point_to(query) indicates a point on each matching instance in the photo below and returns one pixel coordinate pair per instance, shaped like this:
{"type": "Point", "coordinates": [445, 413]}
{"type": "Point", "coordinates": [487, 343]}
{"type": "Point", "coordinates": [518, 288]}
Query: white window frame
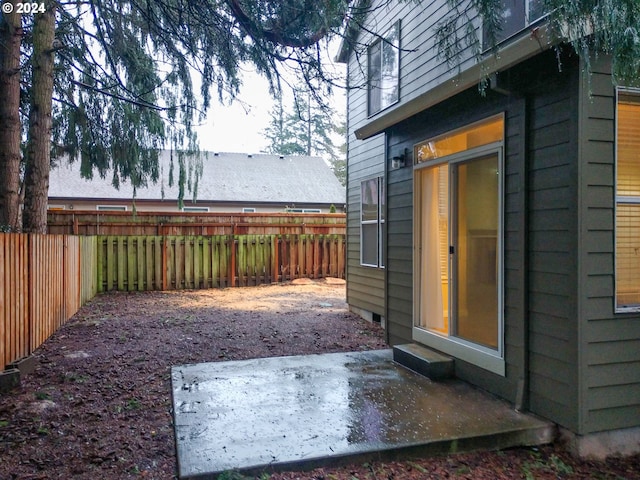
{"type": "Point", "coordinates": [111, 208]}
{"type": "Point", "coordinates": [248, 210]}
{"type": "Point", "coordinates": [622, 200]}
{"type": "Point", "coordinates": [195, 209]}
{"type": "Point", "coordinates": [379, 221]}
{"type": "Point", "coordinates": [303, 210]}
{"type": "Point", "coordinates": [377, 88]}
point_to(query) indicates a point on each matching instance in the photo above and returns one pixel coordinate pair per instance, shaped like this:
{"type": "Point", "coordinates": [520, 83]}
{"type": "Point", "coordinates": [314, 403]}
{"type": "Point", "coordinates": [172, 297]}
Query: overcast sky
{"type": "Point", "coordinates": [239, 128]}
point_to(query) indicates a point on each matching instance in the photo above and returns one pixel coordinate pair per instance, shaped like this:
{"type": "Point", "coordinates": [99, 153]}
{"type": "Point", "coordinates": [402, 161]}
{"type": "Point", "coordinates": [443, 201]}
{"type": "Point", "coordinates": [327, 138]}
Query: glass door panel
{"type": "Point", "coordinates": [434, 261]}
{"type": "Point", "coordinates": [475, 248]}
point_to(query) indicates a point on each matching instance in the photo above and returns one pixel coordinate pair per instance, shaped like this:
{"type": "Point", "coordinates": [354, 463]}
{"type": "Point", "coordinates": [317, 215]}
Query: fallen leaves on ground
{"type": "Point", "coordinates": [98, 405]}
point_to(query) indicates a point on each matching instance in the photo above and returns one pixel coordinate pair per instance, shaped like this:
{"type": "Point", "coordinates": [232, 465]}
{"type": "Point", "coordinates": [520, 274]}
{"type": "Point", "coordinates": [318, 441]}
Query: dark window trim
{"type": "Point", "coordinates": [379, 48]}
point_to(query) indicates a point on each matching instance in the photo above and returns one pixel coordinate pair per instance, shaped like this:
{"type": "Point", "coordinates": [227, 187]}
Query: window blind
{"type": "Point", "coordinates": [628, 202]}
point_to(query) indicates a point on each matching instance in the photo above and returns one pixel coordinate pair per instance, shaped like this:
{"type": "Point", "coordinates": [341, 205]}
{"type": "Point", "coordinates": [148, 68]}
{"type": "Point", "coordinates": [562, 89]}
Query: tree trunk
{"type": "Point", "coordinates": [10, 39]}
{"type": "Point", "coordinates": [39, 137]}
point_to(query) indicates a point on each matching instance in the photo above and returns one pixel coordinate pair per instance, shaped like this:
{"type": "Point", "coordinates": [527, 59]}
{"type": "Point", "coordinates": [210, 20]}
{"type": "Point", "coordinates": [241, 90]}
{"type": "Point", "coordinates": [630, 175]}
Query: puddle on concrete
{"type": "Point", "coordinates": [290, 410]}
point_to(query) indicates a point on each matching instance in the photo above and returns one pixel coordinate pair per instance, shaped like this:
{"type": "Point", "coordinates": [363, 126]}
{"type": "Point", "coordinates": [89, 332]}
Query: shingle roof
{"type": "Point", "coordinates": [227, 177]}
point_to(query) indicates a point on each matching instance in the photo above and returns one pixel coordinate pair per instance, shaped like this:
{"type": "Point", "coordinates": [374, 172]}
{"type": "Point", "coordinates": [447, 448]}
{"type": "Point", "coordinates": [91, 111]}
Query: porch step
{"type": "Point", "coordinates": [424, 361]}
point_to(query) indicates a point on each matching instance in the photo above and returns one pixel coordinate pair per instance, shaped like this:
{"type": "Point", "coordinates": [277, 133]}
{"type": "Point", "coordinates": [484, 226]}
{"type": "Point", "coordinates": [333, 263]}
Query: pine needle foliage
{"type": "Point", "coordinates": [589, 27]}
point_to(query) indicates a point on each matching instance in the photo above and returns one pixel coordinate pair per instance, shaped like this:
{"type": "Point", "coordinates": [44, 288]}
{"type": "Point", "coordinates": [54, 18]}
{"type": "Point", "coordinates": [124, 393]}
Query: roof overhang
{"type": "Point", "coordinates": [532, 42]}
{"type": "Point", "coordinates": [349, 32]}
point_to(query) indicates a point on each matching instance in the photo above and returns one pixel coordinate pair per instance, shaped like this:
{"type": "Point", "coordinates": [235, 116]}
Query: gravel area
{"type": "Point", "coordinates": [98, 405]}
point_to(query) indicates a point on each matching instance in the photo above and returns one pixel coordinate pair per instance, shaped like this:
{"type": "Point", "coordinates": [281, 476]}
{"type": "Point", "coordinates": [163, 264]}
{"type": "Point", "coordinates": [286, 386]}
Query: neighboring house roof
{"type": "Point", "coordinates": [227, 177]}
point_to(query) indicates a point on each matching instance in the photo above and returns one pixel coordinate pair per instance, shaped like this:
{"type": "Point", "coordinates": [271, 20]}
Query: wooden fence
{"type": "Point", "coordinates": [44, 279]}
{"type": "Point", "coordinates": [75, 222]}
{"type": "Point", "coordinates": [188, 262]}
{"type": "Point", "coordinates": [41, 288]}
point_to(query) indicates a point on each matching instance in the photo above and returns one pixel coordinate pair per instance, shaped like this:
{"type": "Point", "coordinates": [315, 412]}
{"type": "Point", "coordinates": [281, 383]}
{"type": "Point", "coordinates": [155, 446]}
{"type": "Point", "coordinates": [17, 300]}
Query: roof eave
{"type": "Point", "coordinates": [349, 33]}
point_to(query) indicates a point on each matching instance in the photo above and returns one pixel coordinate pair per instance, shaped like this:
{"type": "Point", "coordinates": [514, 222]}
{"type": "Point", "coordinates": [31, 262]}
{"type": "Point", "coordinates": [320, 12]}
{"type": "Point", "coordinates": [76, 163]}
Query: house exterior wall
{"type": "Point", "coordinates": [420, 71]}
{"type": "Point", "coordinates": [540, 233]}
{"type": "Point", "coordinates": [450, 115]}
{"type": "Point", "coordinates": [365, 286]}
{"type": "Point", "coordinates": [551, 262]}
{"type": "Point", "coordinates": [610, 343]}
{"type": "Point", "coordinates": [569, 357]}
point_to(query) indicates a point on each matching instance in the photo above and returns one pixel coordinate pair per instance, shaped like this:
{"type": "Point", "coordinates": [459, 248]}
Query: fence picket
{"type": "Point", "coordinates": [45, 279]}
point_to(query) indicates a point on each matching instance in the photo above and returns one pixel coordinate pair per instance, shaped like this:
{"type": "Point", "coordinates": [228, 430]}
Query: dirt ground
{"type": "Point", "coordinates": [98, 405]}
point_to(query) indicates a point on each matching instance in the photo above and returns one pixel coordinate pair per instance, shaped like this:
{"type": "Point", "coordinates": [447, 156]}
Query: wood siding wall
{"type": "Point", "coordinates": [365, 285]}
{"type": "Point", "coordinates": [154, 223]}
{"type": "Point", "coordinates": [610, 366]}
{"type": "Point", "coordinates": [552, 235]}
{"type": "Point", "coordinates": [40, 289]}
{"type": "Point", "coordinates": [128, 263]}
{"type": "Point", "coordinates": [442, 118]}
{"type": "Point", "coordinates": [420, 70]}
{"type": "Point", "coordinates": [365, 159]}
{"type": "Point", "coordinates": [578, 360]}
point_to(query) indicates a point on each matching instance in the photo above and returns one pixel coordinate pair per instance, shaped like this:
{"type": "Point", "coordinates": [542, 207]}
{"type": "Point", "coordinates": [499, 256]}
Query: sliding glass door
{"type": "Point", "coordinates": [474, 249]}
{"type": "Point", "coordinates": [459, 250]}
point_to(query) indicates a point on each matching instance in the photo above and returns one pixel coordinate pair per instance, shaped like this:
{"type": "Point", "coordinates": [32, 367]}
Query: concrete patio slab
{"type": "Point", "coordinates": [308, 411]}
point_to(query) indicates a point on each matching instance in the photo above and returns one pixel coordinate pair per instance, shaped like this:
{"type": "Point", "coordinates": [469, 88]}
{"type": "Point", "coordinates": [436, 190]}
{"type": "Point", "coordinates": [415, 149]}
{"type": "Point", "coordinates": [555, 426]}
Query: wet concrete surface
{"type": "Point", "coordinates": [291, 413]}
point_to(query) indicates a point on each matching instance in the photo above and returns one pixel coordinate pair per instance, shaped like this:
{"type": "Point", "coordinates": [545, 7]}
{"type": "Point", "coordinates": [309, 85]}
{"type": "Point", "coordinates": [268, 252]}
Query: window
{"type": "Point", "coordinates": [112, 208]}
{"type": "Point", "coordinates": [248, 210]}
{"type": "Point", "coordinates": [517, 15]}
{"type": "Point", "coordinates": [303, 210]}
{"type": "Point", "coordinates": [195, 209]}
{"type": "Point", "coordinates": [628, 201]}
{"type": "Point", "coordinates": [372, 224]}
{"type": "Point", "coordinates": [384, 71]}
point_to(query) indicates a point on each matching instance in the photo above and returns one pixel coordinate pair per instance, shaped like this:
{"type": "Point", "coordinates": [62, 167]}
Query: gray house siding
{"type": "Point", "coordinates": [420, 71]}
{"type": "Point", "coordinates": [442, 118]}
{"type": "Point", "coordinates": [399, 315]}
{"type": "Point", "coordinates": [552, 234]}
{"type": "Point", "coordinates": [610, 366]}
{"type": "Point", "coordinates": [569, 356]}
{"type": "Point", "coordinates": [365, 285]}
